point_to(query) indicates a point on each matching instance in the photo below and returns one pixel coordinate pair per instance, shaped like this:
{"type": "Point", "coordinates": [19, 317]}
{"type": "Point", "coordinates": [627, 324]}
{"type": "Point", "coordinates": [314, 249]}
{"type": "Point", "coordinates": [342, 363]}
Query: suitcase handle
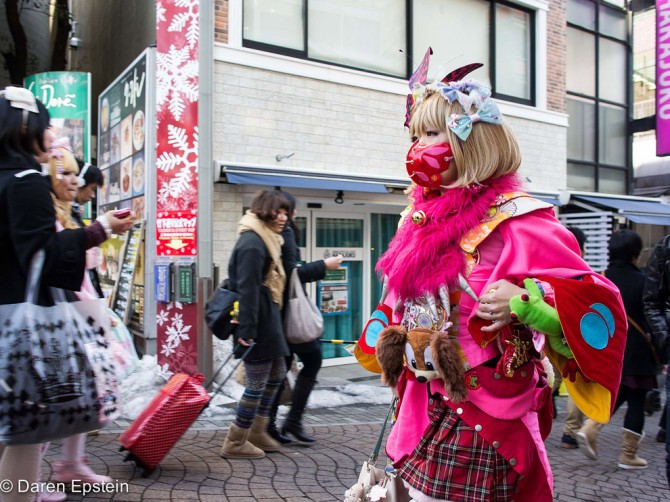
{"type": "Point", "coordinates": [225, 380]}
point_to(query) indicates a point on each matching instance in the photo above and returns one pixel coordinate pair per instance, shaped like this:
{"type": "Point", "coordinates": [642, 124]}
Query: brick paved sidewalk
{"type": "Point", "coordinates": [193, 471]}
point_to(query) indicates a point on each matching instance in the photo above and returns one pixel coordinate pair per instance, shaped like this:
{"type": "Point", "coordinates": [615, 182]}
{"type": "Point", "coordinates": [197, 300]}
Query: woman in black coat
{"type": "Point", "coordinates": [256, 272]}
{"type": "Point", "coordinates": [310, 352]}
{"type": "Point", "coordinates": [639, 364]}
{"type": "Point", "coordinates": [27, 225]}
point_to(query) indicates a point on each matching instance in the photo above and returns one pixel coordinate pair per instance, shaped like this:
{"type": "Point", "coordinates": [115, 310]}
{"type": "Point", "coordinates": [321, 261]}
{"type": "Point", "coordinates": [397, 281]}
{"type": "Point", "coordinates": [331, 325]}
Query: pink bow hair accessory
{"type": "Point", "coordinates": [57, 144]}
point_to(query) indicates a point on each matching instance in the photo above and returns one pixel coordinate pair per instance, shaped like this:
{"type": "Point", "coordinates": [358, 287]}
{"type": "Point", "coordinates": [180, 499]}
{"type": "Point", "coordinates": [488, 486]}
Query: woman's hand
{"type": "Point", "coordinates": [120, 225]}
{"type": "Point", "coordinates": [334, 262]}
{"type": "Point", "coordinates": [244, 342]}
{"type": "Point", "coordinates": [494, 304]}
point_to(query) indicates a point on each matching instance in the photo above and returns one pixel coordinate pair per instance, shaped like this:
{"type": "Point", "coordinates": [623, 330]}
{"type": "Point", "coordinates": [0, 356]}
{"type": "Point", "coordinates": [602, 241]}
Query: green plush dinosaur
{"type": "Point", "coordinates": [532, 310]}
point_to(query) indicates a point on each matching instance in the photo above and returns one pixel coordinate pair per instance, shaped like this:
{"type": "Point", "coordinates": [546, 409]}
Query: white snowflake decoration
{"type": "Point", "coordinates": [176, 80]}
{"type": "Point", "coordinates": [176, 331]}
{"type": "Point", "coordinates": [185, 161]}
{"type": "Point", "coordinates": [164, 371]}
{"type": "Point", "coordinates": [188, 20]}
{"type": "Point", "coordinates": [160, 12]}
{"type": "Point", "coordinates": [161, 317]}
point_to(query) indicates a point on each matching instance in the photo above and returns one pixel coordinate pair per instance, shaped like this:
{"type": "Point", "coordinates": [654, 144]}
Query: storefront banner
{"type": "Point", "coordinates": [662, 77]}
{"type": "Point", "coordinates": [67, 96]}
{"type": "Point", "coordinates": [176, 233]}
{"type": "Point", "coordinates": [177, 88]}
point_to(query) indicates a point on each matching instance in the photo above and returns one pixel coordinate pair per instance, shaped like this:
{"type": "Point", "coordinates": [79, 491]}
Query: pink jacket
{"type": "Point", "coordinates": [529, 245]}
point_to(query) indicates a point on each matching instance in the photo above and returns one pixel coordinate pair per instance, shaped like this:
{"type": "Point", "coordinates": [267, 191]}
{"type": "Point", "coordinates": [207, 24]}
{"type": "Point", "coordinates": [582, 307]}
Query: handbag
{"type": "Point", "coordinates": [122, 346]}
{"type": "Point", "coordinates": [375, 484]}
{"type": "Point", "coordinates": [647, 338]}
{"type": "Point", "coordinates": [57, 376]}
{"type": "Point", "coordinates": [222, 311]}
{"type": "Point", "coordinates": [303, 321]}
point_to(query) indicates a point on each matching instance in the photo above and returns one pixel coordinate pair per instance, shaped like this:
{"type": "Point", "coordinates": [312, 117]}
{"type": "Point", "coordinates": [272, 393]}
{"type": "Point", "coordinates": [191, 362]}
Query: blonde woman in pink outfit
{"type": "Point", "coordinates": [63, 170]}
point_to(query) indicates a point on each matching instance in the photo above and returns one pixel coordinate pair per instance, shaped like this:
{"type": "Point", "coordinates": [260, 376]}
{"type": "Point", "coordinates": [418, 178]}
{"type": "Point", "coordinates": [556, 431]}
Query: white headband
{"type": "Point", "coordinates": [21, 98]}
{"type": "Point", "coordinates": [81, 182]}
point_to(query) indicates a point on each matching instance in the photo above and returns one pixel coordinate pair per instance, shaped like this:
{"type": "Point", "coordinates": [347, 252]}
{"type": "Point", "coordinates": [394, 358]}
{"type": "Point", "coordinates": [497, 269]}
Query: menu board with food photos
{"type": "Point", "coordinates": [122, 129]}
{"type": "Point", "coordinates": [108, 271]}
{"type": "Point", "coordinates": [122, 298]}
{"type": "Point", "coordinates": [136, 316]}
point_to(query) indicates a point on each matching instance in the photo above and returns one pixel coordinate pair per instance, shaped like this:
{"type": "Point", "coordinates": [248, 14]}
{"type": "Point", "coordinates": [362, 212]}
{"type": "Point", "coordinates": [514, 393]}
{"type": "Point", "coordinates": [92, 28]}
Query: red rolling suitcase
{"type": "Point", "coordinates": [178, 404]}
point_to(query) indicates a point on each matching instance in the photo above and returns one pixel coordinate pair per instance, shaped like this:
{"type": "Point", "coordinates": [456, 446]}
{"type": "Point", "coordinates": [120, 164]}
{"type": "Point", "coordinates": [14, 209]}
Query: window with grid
{"type": "Point", "coordinates": [390, 37]}
{"type": "Point", "coordinates": [598, 55]}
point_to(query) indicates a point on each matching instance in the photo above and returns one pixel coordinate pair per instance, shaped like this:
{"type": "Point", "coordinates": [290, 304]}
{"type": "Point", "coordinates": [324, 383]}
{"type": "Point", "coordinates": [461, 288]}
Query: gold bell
{"type": "Point", "coordinates": [419, 218]}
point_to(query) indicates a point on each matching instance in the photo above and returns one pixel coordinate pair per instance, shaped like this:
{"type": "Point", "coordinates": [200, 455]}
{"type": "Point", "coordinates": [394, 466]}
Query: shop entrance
{"type": "Point", "coordinates": [343, 293]}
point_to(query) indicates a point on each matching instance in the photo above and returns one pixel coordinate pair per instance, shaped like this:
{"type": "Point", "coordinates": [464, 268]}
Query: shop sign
{"type": "Point", "coordinates": [67, 96]}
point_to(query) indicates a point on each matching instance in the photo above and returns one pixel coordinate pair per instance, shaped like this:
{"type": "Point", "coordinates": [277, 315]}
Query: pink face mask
{"type": "Point", "coordinates": [425, 164]}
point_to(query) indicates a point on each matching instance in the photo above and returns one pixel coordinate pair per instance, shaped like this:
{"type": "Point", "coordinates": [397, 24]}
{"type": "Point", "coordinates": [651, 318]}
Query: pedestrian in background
{"type": "Point", "coordinates": [574, 419]}
{"type": "Point", "coordinates": [90, 178]}
{"type": "Point", "coordinates": [639, 365]}
{"type": "Point", "coordinates": [656, 300]}
{"type": "Point", "coordinates": [255, 271]}
{"type": "Point", "coordinates": [309, 353]}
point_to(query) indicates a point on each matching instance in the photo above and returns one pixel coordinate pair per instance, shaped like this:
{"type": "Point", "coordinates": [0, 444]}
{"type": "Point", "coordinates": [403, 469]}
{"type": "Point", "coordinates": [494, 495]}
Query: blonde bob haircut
{"type": "Point", "coordinates": [490, 151]}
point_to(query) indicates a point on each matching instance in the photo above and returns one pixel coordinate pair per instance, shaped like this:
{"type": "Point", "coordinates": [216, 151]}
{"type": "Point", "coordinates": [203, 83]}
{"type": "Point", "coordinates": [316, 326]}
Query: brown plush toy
{"type": "Point", "coordinates": [428, 354]}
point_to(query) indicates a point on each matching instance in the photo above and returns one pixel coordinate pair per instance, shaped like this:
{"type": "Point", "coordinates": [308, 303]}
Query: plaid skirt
{"type": "Point", "coordinates": [453, 462]}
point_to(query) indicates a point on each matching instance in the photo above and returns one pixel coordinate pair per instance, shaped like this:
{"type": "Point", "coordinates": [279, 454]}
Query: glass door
{"type": "Point", "coordinates": [342, 294]}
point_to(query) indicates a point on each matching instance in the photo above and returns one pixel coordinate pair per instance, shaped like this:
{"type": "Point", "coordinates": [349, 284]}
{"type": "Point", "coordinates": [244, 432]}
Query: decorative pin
{"type": "Point", "coordinates": [419, 218]}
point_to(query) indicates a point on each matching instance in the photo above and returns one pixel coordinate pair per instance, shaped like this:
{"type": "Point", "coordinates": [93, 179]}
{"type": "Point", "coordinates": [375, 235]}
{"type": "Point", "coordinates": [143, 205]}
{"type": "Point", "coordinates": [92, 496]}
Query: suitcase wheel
{"type": "Point", "coordinates": [122, 448]}
{"type": "Point", "coordinates": [146, 472]}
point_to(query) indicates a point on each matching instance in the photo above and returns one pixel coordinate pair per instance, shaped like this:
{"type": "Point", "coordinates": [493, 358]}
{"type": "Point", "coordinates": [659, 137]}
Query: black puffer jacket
{"type": "Point", "coordinates": [656, 296]}
{"type": "Point", "coordinates": [260, 317]}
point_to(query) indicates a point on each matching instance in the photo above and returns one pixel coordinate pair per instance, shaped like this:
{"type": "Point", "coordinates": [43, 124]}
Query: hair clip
{"type": "Point", "coordinates": [461, 125]}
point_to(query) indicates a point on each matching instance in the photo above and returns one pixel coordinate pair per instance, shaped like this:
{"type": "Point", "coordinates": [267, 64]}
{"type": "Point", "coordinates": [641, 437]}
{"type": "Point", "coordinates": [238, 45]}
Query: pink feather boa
{"type": "Point", "coordinates": [422, 258]}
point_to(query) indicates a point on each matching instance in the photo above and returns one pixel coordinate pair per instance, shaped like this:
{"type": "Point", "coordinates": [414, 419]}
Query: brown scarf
{"type": "Point", "coordinates": [275, 279]}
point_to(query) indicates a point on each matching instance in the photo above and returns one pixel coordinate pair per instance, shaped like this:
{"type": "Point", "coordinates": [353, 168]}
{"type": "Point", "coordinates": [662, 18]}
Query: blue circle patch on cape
{"type": "Point", "coordinates": [598, 326]}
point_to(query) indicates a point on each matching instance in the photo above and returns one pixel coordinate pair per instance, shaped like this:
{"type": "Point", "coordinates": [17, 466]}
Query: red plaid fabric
{"type": "Point", "coordinates": [452, 462]}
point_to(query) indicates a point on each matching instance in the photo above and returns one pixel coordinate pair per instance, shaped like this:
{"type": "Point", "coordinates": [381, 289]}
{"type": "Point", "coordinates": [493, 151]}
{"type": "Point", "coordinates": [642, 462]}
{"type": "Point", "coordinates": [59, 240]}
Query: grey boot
{"type": "Point", "coordinates": [293, 424]}
{"type": "Point", "coordinates": [236, 445]}
{"type": "Point", "coordinates": [587, 437]}
{"type": "Point", "coordinates": [628, 458]}
{"type": "Point", "coordinates": [259, 437]}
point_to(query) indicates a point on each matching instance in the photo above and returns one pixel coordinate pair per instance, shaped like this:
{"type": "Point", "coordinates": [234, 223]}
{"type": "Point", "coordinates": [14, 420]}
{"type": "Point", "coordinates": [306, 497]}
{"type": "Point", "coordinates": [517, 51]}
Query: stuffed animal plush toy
{"type": "Point", "coordinates": [355, 494]}
{"type": "Point", "coordinates": [429, 354]}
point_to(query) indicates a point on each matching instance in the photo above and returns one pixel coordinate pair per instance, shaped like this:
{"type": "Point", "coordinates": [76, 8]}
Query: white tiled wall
{"type": "Point", "coordinates": [259, 114]}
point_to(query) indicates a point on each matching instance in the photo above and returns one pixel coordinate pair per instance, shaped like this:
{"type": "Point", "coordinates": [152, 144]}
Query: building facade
{"type": "Point", "coordinates": [310, 97]}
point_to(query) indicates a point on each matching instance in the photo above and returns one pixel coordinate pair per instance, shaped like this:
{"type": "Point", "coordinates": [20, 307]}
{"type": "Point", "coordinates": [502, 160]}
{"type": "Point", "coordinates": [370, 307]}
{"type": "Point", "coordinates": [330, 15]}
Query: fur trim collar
{"type": "Point", "coordinates": [422, 258]}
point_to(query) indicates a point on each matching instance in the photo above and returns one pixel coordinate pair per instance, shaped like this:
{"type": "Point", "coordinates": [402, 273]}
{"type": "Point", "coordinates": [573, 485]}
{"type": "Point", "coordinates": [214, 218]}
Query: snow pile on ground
{"type": "Point", "coordinates": [139, 387]}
